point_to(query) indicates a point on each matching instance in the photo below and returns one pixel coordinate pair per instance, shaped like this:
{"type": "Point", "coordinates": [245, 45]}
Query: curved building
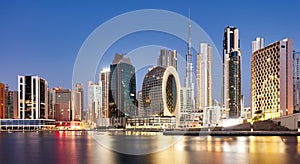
{"type": "Point", "coordinates": [161, 92]}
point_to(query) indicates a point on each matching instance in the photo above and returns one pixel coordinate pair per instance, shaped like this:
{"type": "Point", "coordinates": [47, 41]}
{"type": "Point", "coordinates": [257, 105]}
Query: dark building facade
{"type": "Point", "coordinates": [234, 84]}
{"type": "Point", "coordinates": [122, 88]}
{"type": "Point", "coordinates": [231, 87]}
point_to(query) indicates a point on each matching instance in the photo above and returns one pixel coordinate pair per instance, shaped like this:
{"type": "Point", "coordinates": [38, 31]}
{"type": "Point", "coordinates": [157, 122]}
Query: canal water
{"type": "Point", "coordinates": [69, 147]}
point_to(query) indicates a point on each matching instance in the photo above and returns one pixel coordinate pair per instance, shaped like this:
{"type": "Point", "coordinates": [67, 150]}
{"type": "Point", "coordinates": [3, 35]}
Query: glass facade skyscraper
{"type": "Point", "coordinates": [122, 88]}
{"type": "Point", "coordinates": [95, 101]}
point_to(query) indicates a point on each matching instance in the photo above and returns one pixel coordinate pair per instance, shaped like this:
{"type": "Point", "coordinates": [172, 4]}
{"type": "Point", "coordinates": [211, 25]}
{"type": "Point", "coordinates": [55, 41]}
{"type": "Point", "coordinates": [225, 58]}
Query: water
{"type": "Point", "coordinates": [105, 147]}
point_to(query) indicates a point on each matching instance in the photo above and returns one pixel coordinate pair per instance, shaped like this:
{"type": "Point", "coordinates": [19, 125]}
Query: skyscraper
{"type": "Point", "coordinates": [203, 76]}
{"type": "Point", "coordinates": [95, 101]}
{"type": "Point", "coordinates": [32, 97]}
{"type": "Point", "coordinates": [122, 88]}
{"type": "Point", "coordinates": [189, 83]}
{"type": "Point", "coordinates": [2, 100]}
{"type": "Point", "coordinates": [272, 80]}
{"type": "Point", "coordinates": [257, 44]}
{"type": "Point", "coordinates": [104, 79]}
{"type": "Point", "coordinates": [167, 58]}
{"type": "Point", "coordinates": [231, 88]}
{"type": "Point", "coordinates": [79, 88]}
{"type": "Point", "coordinates": [297, 82]}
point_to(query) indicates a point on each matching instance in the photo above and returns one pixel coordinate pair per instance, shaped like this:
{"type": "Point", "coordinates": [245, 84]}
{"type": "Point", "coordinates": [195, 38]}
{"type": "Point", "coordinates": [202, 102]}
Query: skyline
{"type": "Point", "coordinates": [46, 36]}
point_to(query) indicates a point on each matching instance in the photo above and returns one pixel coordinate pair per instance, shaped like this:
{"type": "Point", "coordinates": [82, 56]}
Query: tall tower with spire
{"type": "Point", "coordinates": [189, 84]}
{"type": "Point", "coordinates": [189, 58]}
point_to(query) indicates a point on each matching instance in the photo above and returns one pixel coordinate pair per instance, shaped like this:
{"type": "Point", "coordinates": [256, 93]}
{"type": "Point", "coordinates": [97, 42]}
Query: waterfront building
{"type": "Point", "coordinates": [95, 101]}
{"type": "Point", "coordinates": [79, 88]}
{"type": "Point", "coordinates": [32, 97]}
{"type": "Point", "coordinates": [246, 113]}
{"type": "Point", "coordinates": [12, 104]}
{"type": "Point", "coordinates": [160, 92]}
{"type": "Point", "coordinates": [76, 106]}
{"type": "Point", "coordinates": [296, 82]}
{"type": "Point", "coordinates": [231, 88]}
{"type": "Point", "coordinates": [104, 79]}
{"type": "Point", "coordinates": [151, 123]}
{"type": "Point", "coordinates": [62, 103]}
{"type": "Point", "coordinates": [66, 104]}
{"type": "Point", "coordinates": [272, 80]}
{"type": "Point", "coordinates": [203, 77]}
{"type": "Point", "coordinates": [122, 88]}
{"type": "Point", "coordinates": [211, 116]}
{"type": "Point", "coordinates": [2, 100]}
{"type": "Point", "coordinates": [27, 124]}
{"type": "Point", "coordinates": [167, 58]}
{"type": "Point", "coordinates": [258, 43]}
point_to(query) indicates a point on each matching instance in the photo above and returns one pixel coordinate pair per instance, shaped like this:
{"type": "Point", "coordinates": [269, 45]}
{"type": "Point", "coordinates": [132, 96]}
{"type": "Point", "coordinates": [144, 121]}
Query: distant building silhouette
{"type": "Point", "coordinates": [167, 58]}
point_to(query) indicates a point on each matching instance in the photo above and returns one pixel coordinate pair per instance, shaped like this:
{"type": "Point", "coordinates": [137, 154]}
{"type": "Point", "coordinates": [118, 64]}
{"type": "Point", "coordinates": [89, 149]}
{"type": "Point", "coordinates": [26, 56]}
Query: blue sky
{"type": "Point", "coordinates": [44, 37]}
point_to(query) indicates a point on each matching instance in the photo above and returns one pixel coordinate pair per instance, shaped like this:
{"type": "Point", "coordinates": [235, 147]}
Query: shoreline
{"type": "Point", "coordinates": [177, 132]}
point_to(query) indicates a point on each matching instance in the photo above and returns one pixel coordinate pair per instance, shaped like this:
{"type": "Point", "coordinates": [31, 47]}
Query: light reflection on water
{"type": "Point", "coordinates": [82, 147]}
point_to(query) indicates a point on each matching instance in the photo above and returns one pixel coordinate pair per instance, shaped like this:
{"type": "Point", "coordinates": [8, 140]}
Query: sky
{"type": "Point", "coordinates": [44, 37]}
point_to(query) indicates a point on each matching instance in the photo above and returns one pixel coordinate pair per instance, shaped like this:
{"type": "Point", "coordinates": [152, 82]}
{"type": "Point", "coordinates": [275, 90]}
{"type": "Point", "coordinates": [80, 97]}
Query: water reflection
{"type": "Point", "coordinates": [82, 147]}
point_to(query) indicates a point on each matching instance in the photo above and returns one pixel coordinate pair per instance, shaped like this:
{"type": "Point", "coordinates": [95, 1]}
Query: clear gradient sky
{"type": "Point", "coordinates": [43, 37]}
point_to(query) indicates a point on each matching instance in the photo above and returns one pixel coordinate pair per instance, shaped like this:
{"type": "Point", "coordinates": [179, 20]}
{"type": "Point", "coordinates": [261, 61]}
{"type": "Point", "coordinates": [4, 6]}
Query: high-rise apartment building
{"type": "Point", "coordinates": [66, 104]}
{"type": "Point", "coordinates": [231, 88]}
{"type": "Point", "coordinates": [12, 104]}
{"type": "Point", "coordinates": [79, 88]}
{"type": "Point", "coordinates": [203, 76]}
{"type": "Point", "coordinates": [76, 105]}
{"type": "Point", "coordinates": [167, 58]}
{"type": "Point", "coordinates": [62, 102]}
{"type": "Point", "coordinates": [95, 101]}
{"type": "Point", "coordinates": [104, 79]}
{"type": "Point", "coordinates": [257, 44]}
{"type": "Point", "coordinates": [2, 100]}
{"type": "Point", "coordinates": [296, 82]}
{"type": "Point", "coordinates": [272, 80]}
{"type": "Point", "coordinates": [32, 97]}
{"type": "Point", "coordinates": [122, 88]}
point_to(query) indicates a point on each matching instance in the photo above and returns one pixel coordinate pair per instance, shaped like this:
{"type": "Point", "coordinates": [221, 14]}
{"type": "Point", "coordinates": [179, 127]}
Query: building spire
{"type": "Point", "coordinates": [189, 35]}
